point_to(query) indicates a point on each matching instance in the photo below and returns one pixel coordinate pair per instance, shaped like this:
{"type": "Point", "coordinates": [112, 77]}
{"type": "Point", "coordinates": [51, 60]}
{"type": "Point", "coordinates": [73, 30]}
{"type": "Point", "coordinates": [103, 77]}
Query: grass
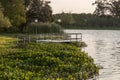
{"type": "Point", "coordinates": [5, 41]}
{"type": "Point", "coordinates": [44, 61]}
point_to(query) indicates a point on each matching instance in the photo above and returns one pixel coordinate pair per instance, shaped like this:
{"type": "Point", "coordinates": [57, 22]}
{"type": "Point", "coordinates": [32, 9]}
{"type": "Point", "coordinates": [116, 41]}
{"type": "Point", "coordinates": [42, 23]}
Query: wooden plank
{"type": "Point", "coordinates": [58, 41]}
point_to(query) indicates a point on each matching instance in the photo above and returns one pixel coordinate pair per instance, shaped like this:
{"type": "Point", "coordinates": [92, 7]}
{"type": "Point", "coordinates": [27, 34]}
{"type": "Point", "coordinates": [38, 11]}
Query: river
{"type": "Point", "coordinates": [104, 48]}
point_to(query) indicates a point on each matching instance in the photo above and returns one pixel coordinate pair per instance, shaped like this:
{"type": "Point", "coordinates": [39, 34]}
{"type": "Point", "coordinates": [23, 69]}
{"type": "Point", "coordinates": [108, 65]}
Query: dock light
{"type": "Point", "coordinates": [36, 20]}
{"type": "Point", "coordinates": [59, 20]}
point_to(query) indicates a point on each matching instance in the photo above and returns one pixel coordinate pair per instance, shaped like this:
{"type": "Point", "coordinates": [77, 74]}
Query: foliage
{"type": "Point", "coordinates": [22, 12]}
{"type": "Point", "coordinates": [101, 8]}
{"type": "Point", "coordinates": [4, 21]}
{"type": "Point", "coordinates": [15, 11]}
{"type": "Point", "coordinates": [104, 7]}
{"type": "Point", "coordinates": [79, 44]}
{"type": "Point", "coordinates": [66, 19]}
{"type": "Point", "coordinates": [115, 8]}
{"type": "Point", "coordinates": [7, 42]}
{"type": "Point", "coordinates": [91, 21]}
{"type": "Point", "coordinates": [47, 61]}
{"type": "Point", "coordinates": [44, 28]}
{"type": "Point", "coordinates": [40, 10]}
{"type": "Point", "coordinates": [27, 3]}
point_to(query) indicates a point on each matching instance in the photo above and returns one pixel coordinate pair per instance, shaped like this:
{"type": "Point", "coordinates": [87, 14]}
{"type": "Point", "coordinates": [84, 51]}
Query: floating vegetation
{"type": "Point", "coordinates": [47, 61]}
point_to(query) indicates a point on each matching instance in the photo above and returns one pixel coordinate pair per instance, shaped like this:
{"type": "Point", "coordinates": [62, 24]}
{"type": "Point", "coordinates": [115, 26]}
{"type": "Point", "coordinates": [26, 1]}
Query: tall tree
{"type": "Point", "coordinates": [40, 10]}
{"type": "Point", "coordinates": [101, 7]}
{"type": "Point", "coordinates": [4, 21]}
{"type": "Point", "coordinates": [111, 7]}
{"type": "Point", "coordinates": [15, 11]}
{"type": "Point", "coordinates": [115, 7]}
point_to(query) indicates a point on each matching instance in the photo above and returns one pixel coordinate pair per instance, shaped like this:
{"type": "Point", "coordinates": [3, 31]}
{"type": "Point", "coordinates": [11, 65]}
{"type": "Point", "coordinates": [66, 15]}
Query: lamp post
{"type": "Point", "coordinates": [59, 20]}
{"type": "Point", "coordinates": [36, 20]}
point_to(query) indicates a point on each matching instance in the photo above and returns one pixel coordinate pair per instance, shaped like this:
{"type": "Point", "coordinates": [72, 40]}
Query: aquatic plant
{"type": "Point", "coordinates": [47, 61]}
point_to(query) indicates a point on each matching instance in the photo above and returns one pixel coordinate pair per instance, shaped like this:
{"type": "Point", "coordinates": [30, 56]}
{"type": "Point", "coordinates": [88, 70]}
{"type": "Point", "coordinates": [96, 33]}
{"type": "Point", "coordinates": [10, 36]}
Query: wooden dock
{"type": "Point", "coordinates": [58, 41]}
{"type": "Point", "coordinates": [54, 38]}
{"type": "Point", "coordinates": [71, 37]}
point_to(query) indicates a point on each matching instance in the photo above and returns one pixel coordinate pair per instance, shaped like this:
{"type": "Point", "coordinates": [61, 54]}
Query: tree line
{"type": "Point", "coordinates": [87, 21]}
{"type": "Point", "coordinates": [106, 16]}
{"type": "Point", "coordinates": [17, 14]}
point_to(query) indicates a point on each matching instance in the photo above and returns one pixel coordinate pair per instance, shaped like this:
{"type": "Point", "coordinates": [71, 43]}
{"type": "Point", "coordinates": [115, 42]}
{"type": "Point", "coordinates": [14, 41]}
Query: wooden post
{"type": "Point", "coordinates": [76, 36]}
{"type": "Point", "coordinates": [81, 36]}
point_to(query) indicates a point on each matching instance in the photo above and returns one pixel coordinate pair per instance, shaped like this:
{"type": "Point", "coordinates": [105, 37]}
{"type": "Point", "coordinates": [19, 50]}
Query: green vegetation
{"type": "Point", "coordinates": [17, 14]}
{"type": "Point", "coordinates": [15, 11]}
{"type": "Point", "coordinates": [90, 21]}
{"type": "Point", "coordinates": [4, 21]}
{"type": "Point", "coordinates": [46, 61]}
{"type": "Point", "coordinates": [40, 10]}
{"type": "Point", "coordinates": [107, 7]}
{"type": "Point", "coordinates": [44, 28]}
{"type": "Point", "coordinates": [66, 19]}
{"type": "Point", "coordinates": [79, 44]}
{"type": "Point", "coordinates": [105, 16]}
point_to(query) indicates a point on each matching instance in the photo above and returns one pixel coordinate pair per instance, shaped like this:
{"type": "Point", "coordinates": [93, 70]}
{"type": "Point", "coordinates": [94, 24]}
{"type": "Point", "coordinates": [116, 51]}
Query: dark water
{"type": "Point", "coordinates": [104, 48]}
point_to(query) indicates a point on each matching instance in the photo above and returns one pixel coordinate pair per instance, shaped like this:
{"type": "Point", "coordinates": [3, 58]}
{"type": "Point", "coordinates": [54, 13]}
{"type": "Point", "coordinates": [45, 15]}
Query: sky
{"type": "Point", "coordinates": [73, 6]}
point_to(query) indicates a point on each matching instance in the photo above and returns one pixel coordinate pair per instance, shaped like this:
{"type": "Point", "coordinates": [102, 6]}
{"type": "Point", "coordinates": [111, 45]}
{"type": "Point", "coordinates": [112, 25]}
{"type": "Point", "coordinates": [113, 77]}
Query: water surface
{"type": "Point", "coordinates": [104, 48]}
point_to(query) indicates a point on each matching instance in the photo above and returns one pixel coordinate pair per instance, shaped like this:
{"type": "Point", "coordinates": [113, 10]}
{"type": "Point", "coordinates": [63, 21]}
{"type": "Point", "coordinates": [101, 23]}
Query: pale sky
{"type": "Point", "coordinates": [73, 6]}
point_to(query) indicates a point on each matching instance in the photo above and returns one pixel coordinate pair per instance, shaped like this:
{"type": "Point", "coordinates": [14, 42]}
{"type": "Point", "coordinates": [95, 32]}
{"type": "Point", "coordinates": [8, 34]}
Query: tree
{"type": "Point", "coordinates": [27, 3]}
{"type": "Point", "coordinates": [40, 10]}
{"type": "Point", "coordinates": [15, 11]}
{"type": "Point", "coordinates": [115, 7]}
{"type": "Point", "coordinates": [111, 7]}
{"type": "Point", "coordinates": [66, 18]}
{"type": "Point", "coordinates": [4, 21]}
{"type": "Point", "coordinates": [101, 7]}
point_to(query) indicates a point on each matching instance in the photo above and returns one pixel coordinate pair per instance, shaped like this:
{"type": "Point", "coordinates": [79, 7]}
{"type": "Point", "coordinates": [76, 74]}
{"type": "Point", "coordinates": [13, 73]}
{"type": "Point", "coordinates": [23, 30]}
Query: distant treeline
{"type": "Point", "coordinates": [88, 21]}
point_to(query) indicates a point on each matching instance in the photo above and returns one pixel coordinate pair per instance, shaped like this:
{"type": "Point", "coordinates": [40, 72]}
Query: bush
{"type": "Point", "coordinates": [37, 28]}
{"type": "Point", "coordinates": [79, 44]}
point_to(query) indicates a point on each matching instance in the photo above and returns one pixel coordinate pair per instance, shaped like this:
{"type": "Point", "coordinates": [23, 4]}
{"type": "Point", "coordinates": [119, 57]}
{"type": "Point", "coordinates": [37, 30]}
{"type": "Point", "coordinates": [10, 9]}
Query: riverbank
{"type": "Point", "coordinates": [44, 61]}
{"type": "Point", "coordinates": [93, 28]}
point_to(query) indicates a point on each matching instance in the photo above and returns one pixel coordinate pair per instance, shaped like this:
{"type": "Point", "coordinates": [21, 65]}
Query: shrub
{"type": "Point", "coordinates": [79, 44]}
{"type": "Point", "coordinates": [37, 28]}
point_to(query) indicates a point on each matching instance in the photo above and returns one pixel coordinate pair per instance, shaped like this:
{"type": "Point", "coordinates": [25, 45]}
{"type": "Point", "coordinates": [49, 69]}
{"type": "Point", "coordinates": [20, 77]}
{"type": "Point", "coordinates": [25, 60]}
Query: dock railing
{"type": "Point", "coordinates": [75, 36]}
{"type": "Point", "coordinates": [67, 37]}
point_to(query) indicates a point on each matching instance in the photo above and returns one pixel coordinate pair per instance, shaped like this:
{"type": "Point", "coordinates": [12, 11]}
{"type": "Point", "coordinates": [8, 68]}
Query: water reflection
{"type": "Point", "coordinates": [104, 47]}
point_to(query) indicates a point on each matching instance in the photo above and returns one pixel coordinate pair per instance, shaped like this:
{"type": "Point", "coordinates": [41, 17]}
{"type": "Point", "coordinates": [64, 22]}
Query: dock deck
{"type": "Point", "coordinates": [55, 38]}
{"type": "Point", "coordinates": [58, 41]}
{"type": "Point", "coordinates": [71, 37]}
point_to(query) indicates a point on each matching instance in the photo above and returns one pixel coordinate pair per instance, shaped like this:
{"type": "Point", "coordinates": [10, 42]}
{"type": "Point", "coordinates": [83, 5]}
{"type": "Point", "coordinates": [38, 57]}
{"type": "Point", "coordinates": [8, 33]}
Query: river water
{"type": "Point", "coordinates": [104, 48]}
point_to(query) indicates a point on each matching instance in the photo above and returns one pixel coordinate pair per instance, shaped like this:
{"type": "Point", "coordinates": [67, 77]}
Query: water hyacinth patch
{"type": "Point", "coordinates": [47, 61]}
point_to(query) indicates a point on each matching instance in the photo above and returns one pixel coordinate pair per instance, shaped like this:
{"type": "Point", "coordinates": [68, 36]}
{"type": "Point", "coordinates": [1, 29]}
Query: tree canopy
{"type": "Point", "coordinates": [4, 21]}
{"type": "Point", "coordinates": [15, 11]}
{"type": "Point", "coordinates": [40, 10]}
{"type": "Point", "coordinates": [21, 12]}
{"type": "Point", "coordinates": [107, 7]}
